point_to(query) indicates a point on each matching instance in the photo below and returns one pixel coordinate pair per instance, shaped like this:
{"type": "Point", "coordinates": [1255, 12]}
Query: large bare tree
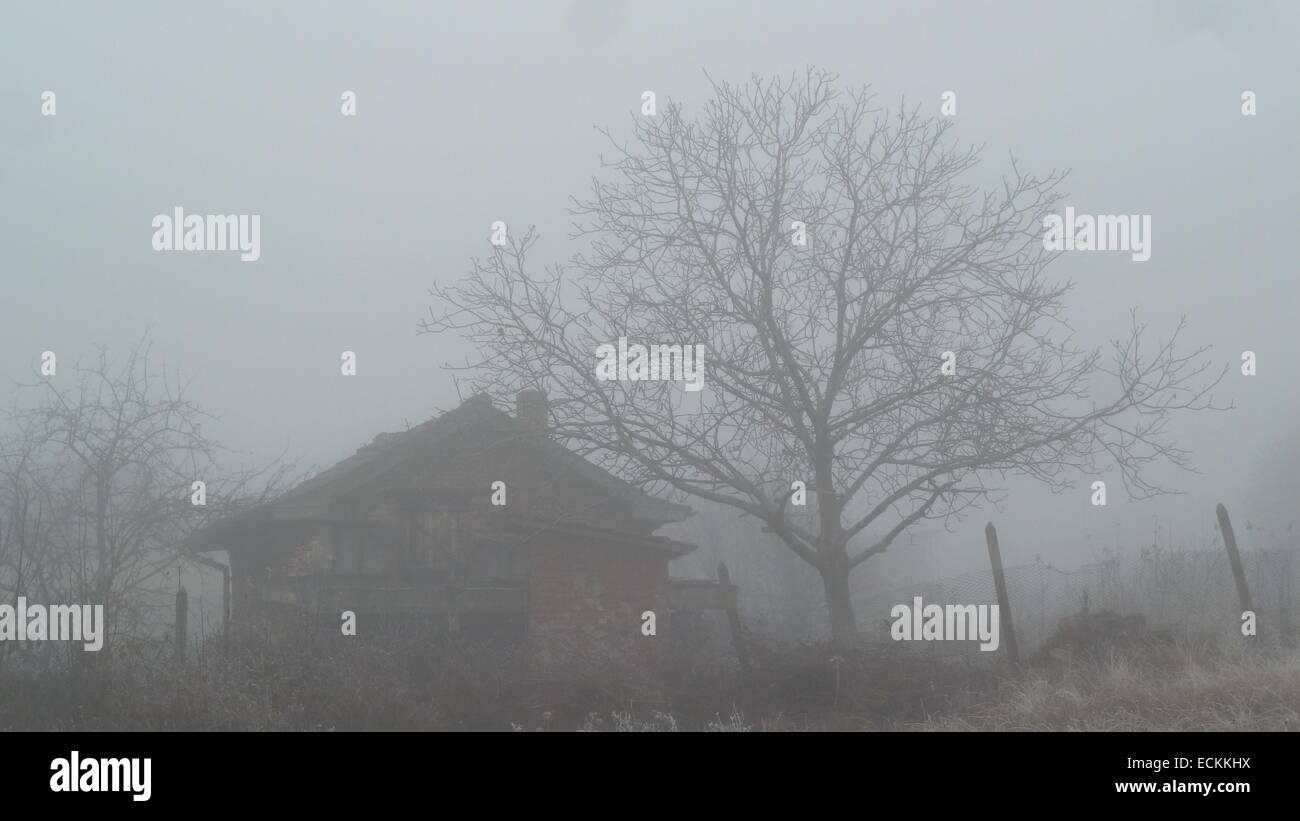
{"type": "Point", "coordinates": [824, 361]}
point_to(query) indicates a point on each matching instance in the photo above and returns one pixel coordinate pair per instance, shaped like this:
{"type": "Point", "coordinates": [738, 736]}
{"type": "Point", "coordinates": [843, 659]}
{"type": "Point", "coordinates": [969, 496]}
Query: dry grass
{"type": "Point", "coordinates": [1191, 689]}
{"type": "Point", "coordinates": [415, 684]}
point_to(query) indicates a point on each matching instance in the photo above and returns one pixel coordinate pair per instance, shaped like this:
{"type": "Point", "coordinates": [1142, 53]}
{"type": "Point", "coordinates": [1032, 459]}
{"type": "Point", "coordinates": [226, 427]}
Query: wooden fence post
{"type": "Point", "coordinates": [1234, 558]}
{"type": "Point", "coordinates": [1000, 585]}
{"type": "Point", "coordinates": [453, 598]}
{"type": "Point", "coordinates": [182, 624]}
{"type": "Point", "coordinates": [225, 606]}
{"type": "Point", "coordinates": [733, 621]}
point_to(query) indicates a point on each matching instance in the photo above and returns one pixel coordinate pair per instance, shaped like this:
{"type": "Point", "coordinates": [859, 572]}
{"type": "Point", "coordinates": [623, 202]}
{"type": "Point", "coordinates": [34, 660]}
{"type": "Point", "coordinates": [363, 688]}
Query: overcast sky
{"type": "Point", "coordinates": [473, 113]}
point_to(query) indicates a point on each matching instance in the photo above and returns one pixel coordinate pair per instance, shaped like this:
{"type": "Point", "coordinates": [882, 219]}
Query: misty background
{"type": "Point", "coordinates": [470, 114]}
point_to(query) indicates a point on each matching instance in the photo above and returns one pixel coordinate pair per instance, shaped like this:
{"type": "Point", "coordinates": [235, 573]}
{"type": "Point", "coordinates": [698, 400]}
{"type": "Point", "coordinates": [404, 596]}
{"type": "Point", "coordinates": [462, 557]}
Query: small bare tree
{"type": "Point", "coordinates": [832, 261]}
{"type": "Point", "coordinates": [96, 486]}
{"type": "Point", "coordinates": [28, 510]}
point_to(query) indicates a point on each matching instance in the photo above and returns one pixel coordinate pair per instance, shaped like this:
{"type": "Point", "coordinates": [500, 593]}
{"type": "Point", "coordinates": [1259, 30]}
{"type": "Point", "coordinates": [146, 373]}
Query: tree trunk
{"type": "Point", "coordinates": [839, 603]}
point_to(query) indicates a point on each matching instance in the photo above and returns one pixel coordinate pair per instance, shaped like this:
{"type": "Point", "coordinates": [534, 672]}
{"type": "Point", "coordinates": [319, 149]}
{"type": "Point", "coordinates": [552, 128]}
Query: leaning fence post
{"type": "Point", "coordinates": [1234, 558]}
{"type": "Point", "coordinates": [182, 623]}
{"type": "Point", "coordinates": [733, 621]}
{"type": "Point", "coordinates": [1000, 585]}
{"type": "Point", "coordinates": [225, 605]}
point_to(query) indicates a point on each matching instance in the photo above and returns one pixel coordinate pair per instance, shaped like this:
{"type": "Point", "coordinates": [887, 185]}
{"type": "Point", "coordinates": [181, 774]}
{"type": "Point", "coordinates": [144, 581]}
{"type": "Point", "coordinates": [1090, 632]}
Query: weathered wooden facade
{"type": "Point", "coordinates": [413, 525]}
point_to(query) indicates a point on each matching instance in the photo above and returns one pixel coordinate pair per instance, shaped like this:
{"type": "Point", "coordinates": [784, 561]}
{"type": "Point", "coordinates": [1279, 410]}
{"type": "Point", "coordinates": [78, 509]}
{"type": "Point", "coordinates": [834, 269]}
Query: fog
{"type": "Point", "coordinates": [476, 113]}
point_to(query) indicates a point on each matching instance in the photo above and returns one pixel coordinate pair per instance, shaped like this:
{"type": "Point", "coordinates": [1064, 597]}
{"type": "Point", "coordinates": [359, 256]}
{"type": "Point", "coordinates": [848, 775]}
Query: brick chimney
{"type": "Point", "coordinates": [531, 409]}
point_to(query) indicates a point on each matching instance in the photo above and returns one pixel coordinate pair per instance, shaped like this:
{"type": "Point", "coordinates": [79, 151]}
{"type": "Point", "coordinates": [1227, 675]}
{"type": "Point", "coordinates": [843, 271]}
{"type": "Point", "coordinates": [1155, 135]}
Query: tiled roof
{"type": "Point", "coordinates": [388, 450]}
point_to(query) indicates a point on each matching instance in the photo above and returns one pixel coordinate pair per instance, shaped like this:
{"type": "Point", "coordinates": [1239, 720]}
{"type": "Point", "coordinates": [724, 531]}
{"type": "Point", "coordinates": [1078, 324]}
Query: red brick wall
{"type": "Point", "coordinates": [585, 603]}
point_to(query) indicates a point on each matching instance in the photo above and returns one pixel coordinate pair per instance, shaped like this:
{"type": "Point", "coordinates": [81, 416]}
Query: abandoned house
{"type": "Point", "coordinates": [475, 520]}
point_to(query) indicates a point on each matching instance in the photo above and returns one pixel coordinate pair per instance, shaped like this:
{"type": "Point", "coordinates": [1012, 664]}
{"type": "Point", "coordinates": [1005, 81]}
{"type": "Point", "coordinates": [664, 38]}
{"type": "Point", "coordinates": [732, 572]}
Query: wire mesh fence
{"type": "Point", "coordinates": [1185, 589]}
{"type": "Point", "coordinates": [1190, 594]}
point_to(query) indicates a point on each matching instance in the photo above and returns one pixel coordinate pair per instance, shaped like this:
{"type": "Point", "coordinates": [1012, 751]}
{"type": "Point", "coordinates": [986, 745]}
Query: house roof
{"type": "Point", "coordinates": [386, 451]}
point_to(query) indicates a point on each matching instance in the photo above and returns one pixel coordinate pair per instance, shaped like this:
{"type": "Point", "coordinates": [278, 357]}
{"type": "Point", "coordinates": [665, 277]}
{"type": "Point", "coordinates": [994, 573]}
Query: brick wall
{"type": "Point", "coordinates": [585, 604]}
